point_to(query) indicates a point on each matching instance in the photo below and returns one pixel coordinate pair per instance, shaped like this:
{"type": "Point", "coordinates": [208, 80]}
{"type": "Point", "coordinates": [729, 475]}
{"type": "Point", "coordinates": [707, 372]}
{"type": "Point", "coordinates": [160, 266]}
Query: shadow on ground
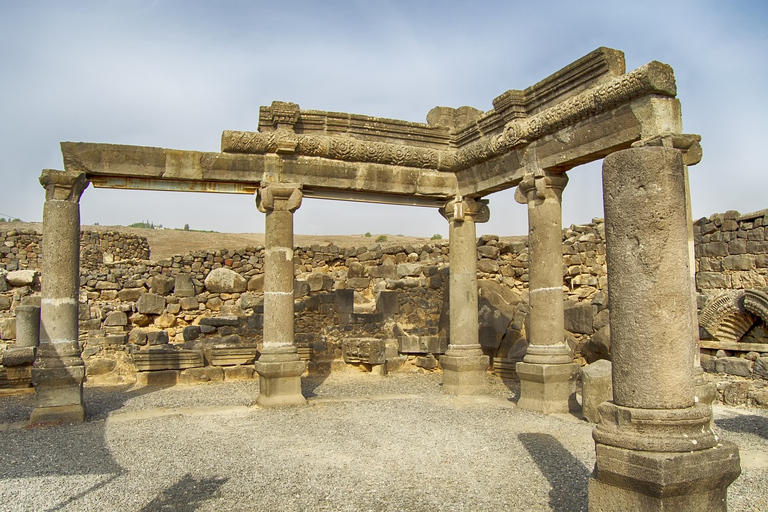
{"type": "Point", "coordinates": [565, 473]}
{"type": "Point", "coordinates": [745, 423]}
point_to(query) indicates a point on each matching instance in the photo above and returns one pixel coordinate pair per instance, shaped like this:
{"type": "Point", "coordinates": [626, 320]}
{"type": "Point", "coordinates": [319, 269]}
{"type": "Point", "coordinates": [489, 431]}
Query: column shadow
{"type": "Point", "coordinates": [189, 493]}
{"type": "Point", "coordinates": [565, 473]}
{"type": "Point", "coordinates": [747, 423]}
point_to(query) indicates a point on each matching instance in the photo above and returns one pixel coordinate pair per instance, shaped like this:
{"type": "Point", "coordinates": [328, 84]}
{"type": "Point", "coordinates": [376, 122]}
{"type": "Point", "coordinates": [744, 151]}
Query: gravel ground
{"type": "Point", "coordinates": [363, 443]}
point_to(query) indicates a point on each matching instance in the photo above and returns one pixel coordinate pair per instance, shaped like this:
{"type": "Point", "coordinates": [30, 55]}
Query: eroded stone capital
{"type": "Point", "coordinates": [279, 197]}
{"type": "Point", "coordinates": [63, 185]}
{"type": "Point", "coordinates": [466, 208]}
{"type": "Point", "coordinates": [689, 144]}
{"type": "Point", "coordinates": [541, 185]}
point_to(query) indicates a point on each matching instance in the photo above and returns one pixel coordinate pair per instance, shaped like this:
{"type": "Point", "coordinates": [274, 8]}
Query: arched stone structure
{"type": "Point", "coordinates": [531, 138]}
{"type": "Point", "coordinates": [730, 315]}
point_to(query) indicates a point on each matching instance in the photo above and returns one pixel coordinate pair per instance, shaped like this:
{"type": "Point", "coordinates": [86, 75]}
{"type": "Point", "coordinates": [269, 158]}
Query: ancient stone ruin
{"type": "Point", "coordinates": [654, 443]}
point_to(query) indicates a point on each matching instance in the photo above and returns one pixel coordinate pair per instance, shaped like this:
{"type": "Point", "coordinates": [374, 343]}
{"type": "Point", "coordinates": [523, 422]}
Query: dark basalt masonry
{"type": "Point", "coordinates": [380, 307]}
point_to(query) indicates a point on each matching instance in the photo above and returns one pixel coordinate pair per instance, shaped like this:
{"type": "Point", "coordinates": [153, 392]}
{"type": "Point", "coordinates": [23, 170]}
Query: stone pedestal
{"type": "Point", "coordinates": [654, 444]}
{"type": "Point", "coordinates": [59, 371]}
{"type": "Point", "coordinates": [279, 366]}
{"type": "Point", "coordinates": [547, 373]}
{"type": "Point", "coordinates": [464, 364]}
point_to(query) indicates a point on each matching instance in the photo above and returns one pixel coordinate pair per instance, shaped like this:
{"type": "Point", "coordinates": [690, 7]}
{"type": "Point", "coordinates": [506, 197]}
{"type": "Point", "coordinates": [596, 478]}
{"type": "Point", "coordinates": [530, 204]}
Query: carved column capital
{"type": "Point", "coordinates": [279, 197]}
{"type": "Point", "coordinates": [541, 185]}
{"type": "Point", "coordinates": [466, 208]}
{"type": "Point", "coordinates": [688, 144]}
{"type": "Point", "coordinates": [63, 185]}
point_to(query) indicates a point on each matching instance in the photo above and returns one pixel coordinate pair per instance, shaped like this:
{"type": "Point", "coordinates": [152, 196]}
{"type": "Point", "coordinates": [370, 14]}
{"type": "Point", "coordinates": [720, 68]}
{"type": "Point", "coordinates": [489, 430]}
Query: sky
{"type": "Point", "coordinates": [175, 74]}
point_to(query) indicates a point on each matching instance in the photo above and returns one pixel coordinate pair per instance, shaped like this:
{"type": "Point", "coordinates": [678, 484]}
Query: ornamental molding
{"type": "Point", "coordinates": [653, 78]}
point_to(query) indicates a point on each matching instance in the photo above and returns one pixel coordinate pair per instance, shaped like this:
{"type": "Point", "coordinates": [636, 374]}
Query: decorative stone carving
{"type": "Point", "coordinates": [732, 313]}
{"type": "Point", "coordinates": [364, 350]}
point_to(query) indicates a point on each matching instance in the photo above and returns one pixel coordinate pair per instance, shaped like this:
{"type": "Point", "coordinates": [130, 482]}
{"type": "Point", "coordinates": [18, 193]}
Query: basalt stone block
{"type": "Point", "coordinates": [301, 288]}
{"type": "Point", "coordinates": [7, 328]}
{"type": "Point", "coordinates": [150, 304]}
{"type": "Point", "coordinates": [116, 318]}
{"type": "Point", "coordinates": [428, 362]}
{"type": "Point", "coordinates": [345, 301]}
{"type": "Point", "coordinates": [320, 282]}
{"type": "Point", "coordinates": [189, 303]}
{"type": "Point", "coordinates": [157, 378]}
{"type": "Point", "coordinates": [137, 337]}
{"type": "Point", "coordinates": [183, 286]}
{"type": "Point", "coordinates": [364, 350]}
{"type": "Point", "coordinates": [579, 316]}
{"type": "Point", "coordinates": [131, 294]}
{"type": "Point", "coordinates": [760, 369]}
{"type": "Point", "coordinates": [359, 283]}
{"type": "Point", "coordinates": [19, 356]}
{"type": "Point", "coordinates": [239, 373]}
{"type": "Point", "coordinates": [191, 332]}
{"type": "Point", "coordinates": [167, 360]}
{"type": "Point", "coordinates": [388, 302]}
{"type": "Point", "coordinates": [157, 338]}
{"type": "Point", "coordinates": [201, 375]}
{"type": "Point", "coordinates": [734, 366]}
{"type": "Point", "coordinates": [220, 321]}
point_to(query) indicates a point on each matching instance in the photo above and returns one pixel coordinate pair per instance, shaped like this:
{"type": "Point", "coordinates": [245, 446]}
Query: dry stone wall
{"type": "Point", "coordinates": [199, 316]}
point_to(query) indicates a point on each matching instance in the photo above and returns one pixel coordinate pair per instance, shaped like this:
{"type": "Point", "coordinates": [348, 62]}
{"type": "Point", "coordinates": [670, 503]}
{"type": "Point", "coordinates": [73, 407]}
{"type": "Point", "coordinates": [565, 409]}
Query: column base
{"type": "Point", "coordinates": [57, 415]}
{"type": "Point", "coordinates": [548, 388]}
{"type": "Point", "coordinates": [662, 481]}
{"type": "Point", "coordinates": [280, 379]}
{"type": "Point", "coordinates": [58, 395]}
{"type": "Point", "coordinates": [464, 372]}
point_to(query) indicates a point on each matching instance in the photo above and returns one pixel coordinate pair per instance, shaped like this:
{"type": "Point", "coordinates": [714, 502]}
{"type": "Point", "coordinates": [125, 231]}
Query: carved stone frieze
{"type": "Point", "coordinates": [653, 78]}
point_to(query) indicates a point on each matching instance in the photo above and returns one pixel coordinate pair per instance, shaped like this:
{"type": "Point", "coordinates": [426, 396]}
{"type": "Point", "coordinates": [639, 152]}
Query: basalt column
{"type": "Point", "coordinates": [58, 371]}
{"type": "Point", "coordinates": [464, 364]}
{"type": "Point", "coordinates": [547, 372]}
{"type": "Point", "coordinates": [279, 366]}
{"type": "Point", "coordinates": [655, 449]}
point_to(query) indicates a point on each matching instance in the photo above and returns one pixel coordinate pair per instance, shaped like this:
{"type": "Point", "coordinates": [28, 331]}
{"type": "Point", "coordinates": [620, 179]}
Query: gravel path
{"type": "Point", "coordinates": [363, 443]}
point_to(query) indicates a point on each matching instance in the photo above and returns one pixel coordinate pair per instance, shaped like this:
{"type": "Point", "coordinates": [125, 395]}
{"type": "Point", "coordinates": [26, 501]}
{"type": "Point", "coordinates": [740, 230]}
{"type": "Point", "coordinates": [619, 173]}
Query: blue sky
{"type": "Point", "coordinates": [177, 73]}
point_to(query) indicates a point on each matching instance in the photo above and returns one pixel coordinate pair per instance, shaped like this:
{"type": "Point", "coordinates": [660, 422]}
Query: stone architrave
{"type": "Point", "coordinates": [464, 364]}
{"type": "Point", "coordinates": [58, 371]}
{"type": "Point", "coordinates": [279, 366]}
{"type": "Point", "coordinates": [547, 372]}
{"type": "Point", "coordinates": [655, 448]}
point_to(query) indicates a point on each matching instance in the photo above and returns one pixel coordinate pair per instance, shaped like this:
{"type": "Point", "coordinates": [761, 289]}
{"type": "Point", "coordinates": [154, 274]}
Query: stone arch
{"type": "Point", "coordinates": [733, 313]}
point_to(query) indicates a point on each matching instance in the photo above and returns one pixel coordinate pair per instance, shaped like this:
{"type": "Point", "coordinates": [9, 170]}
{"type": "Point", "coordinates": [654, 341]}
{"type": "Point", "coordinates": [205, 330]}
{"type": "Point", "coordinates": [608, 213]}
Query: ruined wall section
{"type": "Point", "coordinates": [21, 249]}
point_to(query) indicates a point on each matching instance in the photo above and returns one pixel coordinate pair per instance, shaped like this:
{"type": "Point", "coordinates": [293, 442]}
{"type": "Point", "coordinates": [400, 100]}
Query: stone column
{"type": "Point", "coordinates": [58, 371]}
{"type": "Point", "coordinates": [464, 364]}
{"type": "Point", "coordinates": [279, 366]}
{"type": "Point", "coordinates": [655, 447]}
{"type": "Point", "coordinates": [547, 372]}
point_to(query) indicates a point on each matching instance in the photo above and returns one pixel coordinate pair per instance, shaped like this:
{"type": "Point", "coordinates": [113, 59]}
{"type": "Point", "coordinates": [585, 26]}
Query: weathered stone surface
{"type": "Point", "coordinates": [167, 360]}
{"type": "Point", "coordinates": [256, 283]}
{"type": "Point", "coordinates": [99, 366]}
{"type": "Point", "coordinates": [191, 332]}
{"type": "Point", "coordinates": [150, 304]}
{"type": "Point", "coordinates": [159, 378]}
{"type": "Point", "coordinates": [183, 287]}
{"type": "Point", "coordinates": [140, 320]}
{"type": "Point", "coordinates": [19, 278]}
{"type": "Point", "coordinates": [18, 356]}
{"type": "Point", "coordinates": [220, 321]}
{"type": "Point", "coordinates": [578, 317]}
{"type": "Point", "coordinates": [137, 337]}
{"type": "Point", "coordinates": [189, 303]}
{"type": "Point", "coordinates": [157, 337]}
{"type": "Point", "coordinates": [7, 328]}
{"type": "Point", "coordinates": [204, 375]}
{"type": "Point", "coordinates": [364, 350]}
{"type": "Point", "coordinates": [224, 280]}
{"type": "Point", "coordinates": [761, 367]}
{"type": "Point", "coordinates": [161, 285]}
{"type": "Point", "coordinates": [131, 294]}
{"type": "Point", "coordinates": [165, 320]}
{"type": "Point", "coordinates": [231, 356]}
{"type": "Point", "coordinates": [320, 282]}
{"type": "Point", "coordinates": [734, 366]}
{"type": "Point", "coordinates": [116, 318]}
{"type": "Point", "coordinates": [596, 389]}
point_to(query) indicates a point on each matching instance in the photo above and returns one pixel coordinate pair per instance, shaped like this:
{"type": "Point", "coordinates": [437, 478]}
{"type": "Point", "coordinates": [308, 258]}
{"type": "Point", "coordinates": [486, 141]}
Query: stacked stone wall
{"type": "Point", "coordinates": [21, 249]}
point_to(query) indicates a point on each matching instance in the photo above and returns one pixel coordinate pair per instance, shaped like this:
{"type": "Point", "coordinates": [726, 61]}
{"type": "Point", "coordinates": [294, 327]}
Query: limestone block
{"type": "Point", "coordinates": [107, 285]}
{"type": "Point", "coordinates": [224, 280]}
{"type": "Point", "coordinates": [256, 283]}
{"type": "Point", "coordinates": [157, 378]}
{"type": "Point", "coordinates": [167, 360]}
{"type": "Point", "coordinates": [596, 388]}
{"type": "Point", "coordinates": [734, 366]}
{"type": "Point", "coordinates": [710, 280]}
{"type": "Point", "coordinates": [165, 320]}
{"type": "Point", "coordinates": [201, 375]}
{"type": "Point", "coordinates": [150, 304]}
{"type": "Point", "coordinates": [116, 318]}
{"type": "Point", "coordinates": [239, 373]}
{"type": "Point", "coordinates": [140, 320]}
{"type": "Point", "coordinates": [383, 271]}
{"type": "Point", "coordinates": [131, 294]}
{"type": "Point", "coordinates": [19, 278]}
{"type": "Point", "coordinates": [737, 246]}
{"type": "Point", "coordinates": [232, 356]}
{"type": "Point", "coordinates": [7, 328]}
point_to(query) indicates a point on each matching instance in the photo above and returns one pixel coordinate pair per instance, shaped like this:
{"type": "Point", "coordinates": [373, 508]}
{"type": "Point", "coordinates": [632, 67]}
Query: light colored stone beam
{"type": "Point", "coordinates": [113, 160]}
